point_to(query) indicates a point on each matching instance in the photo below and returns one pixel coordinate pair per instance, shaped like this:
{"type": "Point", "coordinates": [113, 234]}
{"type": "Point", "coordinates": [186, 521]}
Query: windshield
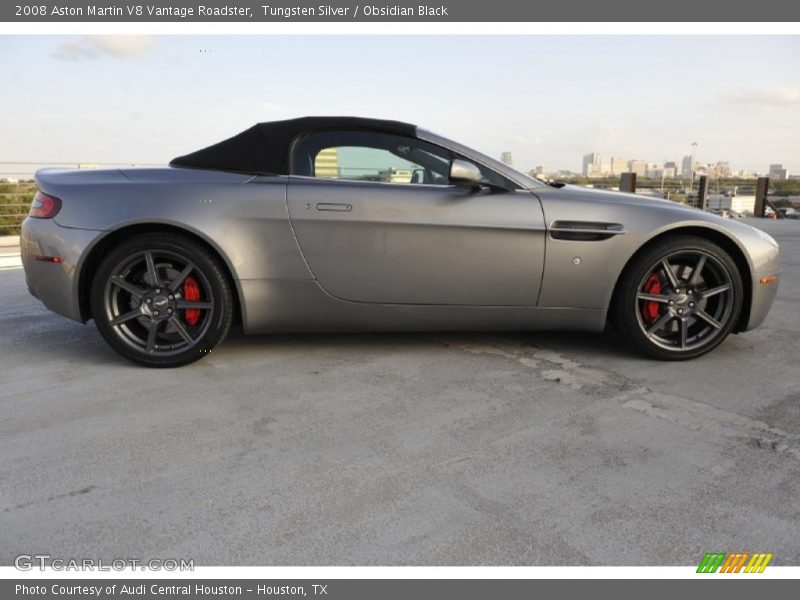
{"type": "Point", "coordinates": [519, 177]}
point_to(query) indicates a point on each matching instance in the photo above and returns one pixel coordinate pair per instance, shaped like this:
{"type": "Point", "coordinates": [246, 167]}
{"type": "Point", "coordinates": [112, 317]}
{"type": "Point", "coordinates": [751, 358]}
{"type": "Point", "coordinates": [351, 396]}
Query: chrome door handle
{"type": "Point", "coordinates": [334, 206]}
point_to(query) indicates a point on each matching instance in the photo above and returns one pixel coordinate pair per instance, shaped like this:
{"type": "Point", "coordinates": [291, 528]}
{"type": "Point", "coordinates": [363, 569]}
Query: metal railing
{"type": "Point", "coordinates": [14, 205]}
{"type": "Point", "coordinates": [36, 165]}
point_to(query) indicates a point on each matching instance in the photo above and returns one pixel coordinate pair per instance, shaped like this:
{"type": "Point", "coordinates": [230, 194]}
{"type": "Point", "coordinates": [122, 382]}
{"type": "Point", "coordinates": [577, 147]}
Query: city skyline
{"type": "Point", "coordinates": [544, 99]}
{"type": "Point", "coordinates": [594, 165]}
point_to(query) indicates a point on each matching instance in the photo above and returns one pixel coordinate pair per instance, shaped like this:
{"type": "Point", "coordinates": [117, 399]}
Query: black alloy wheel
{"type": "Point", "coordinates": [161, 300]}
{"type": "Point", "coordinates": [679, 299]}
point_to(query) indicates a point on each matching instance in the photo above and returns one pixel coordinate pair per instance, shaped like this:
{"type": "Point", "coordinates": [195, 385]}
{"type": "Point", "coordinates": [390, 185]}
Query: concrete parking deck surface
{"type": "Point", "coordinates": [401, 449]}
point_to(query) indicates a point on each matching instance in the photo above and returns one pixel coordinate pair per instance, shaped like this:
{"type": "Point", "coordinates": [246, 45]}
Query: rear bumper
{"type": "Point", "coordinates": [55, 284]}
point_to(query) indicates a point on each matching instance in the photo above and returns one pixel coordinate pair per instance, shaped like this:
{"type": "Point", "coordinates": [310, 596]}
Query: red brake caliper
{"type": "Point", "coordinates": [649, 308]}
{"type": "Point", "coordinates": [191, 291]}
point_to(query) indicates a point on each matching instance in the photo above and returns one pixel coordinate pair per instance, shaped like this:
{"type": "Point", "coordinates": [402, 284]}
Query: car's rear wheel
{"type": "Point", "coordinates": [161, 300]}
{"type": "Point", "coordinates": [678, 299]}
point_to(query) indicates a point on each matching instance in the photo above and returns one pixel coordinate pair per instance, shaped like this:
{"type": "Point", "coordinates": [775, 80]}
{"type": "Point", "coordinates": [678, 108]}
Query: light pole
{"type": "Point", "coordinates": [691, 169]}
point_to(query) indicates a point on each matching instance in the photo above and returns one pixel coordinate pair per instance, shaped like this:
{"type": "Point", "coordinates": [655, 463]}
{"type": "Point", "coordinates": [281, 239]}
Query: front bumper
{"type": "Point", "coordinates": [763, 297]}
{"type": "Point", "coordinates": [765, 260]}
{"type": "Point", "coordinates": [55, 284]}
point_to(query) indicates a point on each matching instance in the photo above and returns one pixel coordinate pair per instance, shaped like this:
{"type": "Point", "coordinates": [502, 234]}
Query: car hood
{"type": "Point", "coordinates": [616, 197]}
{"type": "Point", "coordinates": [672, 213]}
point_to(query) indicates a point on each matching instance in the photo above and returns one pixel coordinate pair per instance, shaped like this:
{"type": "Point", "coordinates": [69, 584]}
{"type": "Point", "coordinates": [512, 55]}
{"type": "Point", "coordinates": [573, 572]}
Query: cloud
{"type": "Point", "coordinates": [98, 46]}
{"type": "Point", "coordinates": [75, 51]}
{"type": "Point", "coordinates": [777, 96]}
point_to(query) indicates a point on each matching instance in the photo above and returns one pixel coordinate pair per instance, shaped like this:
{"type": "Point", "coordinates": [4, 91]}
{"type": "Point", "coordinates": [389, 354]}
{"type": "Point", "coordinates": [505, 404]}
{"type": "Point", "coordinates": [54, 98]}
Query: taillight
{"type": "Point", "coordinates": [44, 206]}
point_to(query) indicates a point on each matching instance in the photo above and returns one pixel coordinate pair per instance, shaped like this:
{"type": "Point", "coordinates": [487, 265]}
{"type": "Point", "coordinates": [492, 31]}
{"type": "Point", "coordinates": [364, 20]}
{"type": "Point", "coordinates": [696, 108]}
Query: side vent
{"type": "Point", "coordinates": [584, 231]}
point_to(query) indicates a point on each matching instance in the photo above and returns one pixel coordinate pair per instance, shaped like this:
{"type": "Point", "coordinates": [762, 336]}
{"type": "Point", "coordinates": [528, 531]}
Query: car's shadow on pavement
{"type": "Point", "coordinates": [30, 331]}
{"type": "Point", "coordinates": [83, 344]}
{"type": "Point", "coordinates": [597, 344]}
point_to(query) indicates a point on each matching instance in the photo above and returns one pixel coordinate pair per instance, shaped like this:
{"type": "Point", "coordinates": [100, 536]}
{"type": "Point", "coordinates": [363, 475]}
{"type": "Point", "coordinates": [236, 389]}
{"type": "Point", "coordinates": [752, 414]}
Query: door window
{"type": "Point", "coordinates": [370, 156]}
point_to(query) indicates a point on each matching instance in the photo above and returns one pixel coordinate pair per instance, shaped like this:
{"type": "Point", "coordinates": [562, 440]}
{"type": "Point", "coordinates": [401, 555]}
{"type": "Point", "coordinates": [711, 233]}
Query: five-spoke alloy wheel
{"type": "Point", "coordinates": [161, 300]}
{"type": "Point", "coordinates": [678, 299]}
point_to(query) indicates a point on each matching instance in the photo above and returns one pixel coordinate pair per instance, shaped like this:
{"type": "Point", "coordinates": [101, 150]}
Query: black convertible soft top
{"type": "Point", "coordinates": [264, 148]}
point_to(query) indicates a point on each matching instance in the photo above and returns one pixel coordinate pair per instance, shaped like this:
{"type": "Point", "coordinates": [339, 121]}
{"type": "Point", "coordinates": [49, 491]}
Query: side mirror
{"type": "Point", "coordinates": [465, 174]}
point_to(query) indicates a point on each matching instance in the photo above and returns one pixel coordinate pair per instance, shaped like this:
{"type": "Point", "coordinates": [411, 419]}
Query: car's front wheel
{"type": "Point", "coordinates": [678, 299]}
{"type": "Point", "coordinates": [161, 300]}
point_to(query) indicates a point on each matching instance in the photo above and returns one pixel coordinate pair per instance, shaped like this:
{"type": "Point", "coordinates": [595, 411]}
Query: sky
{"type": "Point", "coordinates": [547, 99]}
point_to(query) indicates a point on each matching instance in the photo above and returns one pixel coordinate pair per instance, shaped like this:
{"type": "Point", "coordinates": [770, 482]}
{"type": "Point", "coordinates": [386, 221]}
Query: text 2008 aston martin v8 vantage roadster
{"type": "Point", "coordinates": [343, 224]}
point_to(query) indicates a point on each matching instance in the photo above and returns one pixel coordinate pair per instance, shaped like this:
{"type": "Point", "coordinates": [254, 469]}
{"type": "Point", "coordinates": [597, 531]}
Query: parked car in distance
{"type": "Point", "coordinates": [790, 213]}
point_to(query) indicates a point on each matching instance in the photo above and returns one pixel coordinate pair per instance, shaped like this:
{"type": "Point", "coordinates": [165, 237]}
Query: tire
{"type": "Point", "coordinates": [175, 320]}
{"type": "Point", "coordinates": [683, 312]}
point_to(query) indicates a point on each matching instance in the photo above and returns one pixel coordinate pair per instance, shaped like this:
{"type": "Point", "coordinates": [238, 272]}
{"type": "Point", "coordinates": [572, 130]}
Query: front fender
{"type": "Point", "coordinates": [584, 274]}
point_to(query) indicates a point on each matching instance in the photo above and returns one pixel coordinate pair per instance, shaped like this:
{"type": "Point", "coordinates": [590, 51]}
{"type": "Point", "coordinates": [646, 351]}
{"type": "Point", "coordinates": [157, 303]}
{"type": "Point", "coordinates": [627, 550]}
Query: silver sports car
{"type": "Point", "coordinates": [342, 224]}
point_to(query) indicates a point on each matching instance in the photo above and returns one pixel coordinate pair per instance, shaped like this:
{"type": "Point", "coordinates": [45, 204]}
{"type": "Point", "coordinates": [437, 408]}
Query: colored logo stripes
{"type": "Point", "coordinates": [734, 562]}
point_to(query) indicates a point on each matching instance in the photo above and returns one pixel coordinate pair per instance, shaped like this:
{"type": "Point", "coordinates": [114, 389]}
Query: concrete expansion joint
{"type": "Point", "coordinates": [693, 414]}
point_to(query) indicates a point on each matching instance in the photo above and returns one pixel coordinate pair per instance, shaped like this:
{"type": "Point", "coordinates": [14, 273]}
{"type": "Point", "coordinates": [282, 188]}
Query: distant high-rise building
{"type": "Point", "coordinates": [507, 158]}
{"type": "Point", "coordinates": [538, 172]}
{"type": "Point", "coordinates": [686, 166]}
{"type": "Point", "coordinates": [653, 171]}
{"type": "Point", "coordinates": [618, 165]}
{"type": "Point", "coordinates": [592, 165]}
{"type": "Point", "coordinates": [639, 167]}
{"type": "Point", "coordinates": [326, 164]}
{"type": "Point", "coordinates": [723, 169]}
{"type": "Point", "coordinates": [777, 171]}
{"type": "Point", "coordinates": [670, 164]}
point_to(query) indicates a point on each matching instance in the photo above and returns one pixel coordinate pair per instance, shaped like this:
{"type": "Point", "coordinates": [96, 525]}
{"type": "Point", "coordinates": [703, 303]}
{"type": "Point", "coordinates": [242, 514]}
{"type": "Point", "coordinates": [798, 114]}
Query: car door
{"type": "Point", "coordinates": [369, 234]}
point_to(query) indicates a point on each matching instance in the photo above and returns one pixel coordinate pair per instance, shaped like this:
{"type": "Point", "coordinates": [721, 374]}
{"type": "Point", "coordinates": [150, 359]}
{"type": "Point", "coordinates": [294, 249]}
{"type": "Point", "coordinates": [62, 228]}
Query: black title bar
{"type": "Point", "coordinates": [701, 588]}
{"type": "Point", "coordinates": [400, 11]}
